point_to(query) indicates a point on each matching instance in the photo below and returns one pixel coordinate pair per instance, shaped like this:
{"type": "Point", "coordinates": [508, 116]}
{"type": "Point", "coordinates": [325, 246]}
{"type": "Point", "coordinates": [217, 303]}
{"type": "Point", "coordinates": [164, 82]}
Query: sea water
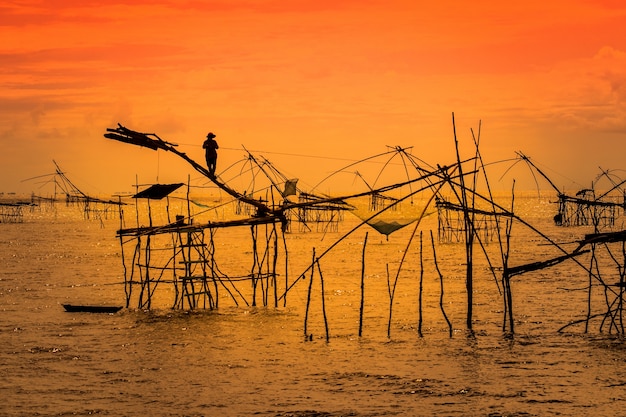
{"type": "Point", "coordinates": [240, 360]}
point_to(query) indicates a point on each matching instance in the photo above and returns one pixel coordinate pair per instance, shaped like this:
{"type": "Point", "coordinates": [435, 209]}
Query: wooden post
{"type": "Point", "coordinates": [443, 311]}
{"type": "Point", "coordinates": [421, 288]}
{"type": "Point", "coordinates": [286, 267]}
{"type": "Point", "coordinates": [362, 286]}
{"type": "Point", "coordinates": [254, 264]}
{"type": "Point", "coordinates": [308, 299]}
{"type": "Point", "coordinates": [391, 290]}
{"type": "Point", "coordinates": [469, 235]}
{"type": "Point", "coordinates": [508, 295]}
{"type": "Point", "coordinates": [317, 262]}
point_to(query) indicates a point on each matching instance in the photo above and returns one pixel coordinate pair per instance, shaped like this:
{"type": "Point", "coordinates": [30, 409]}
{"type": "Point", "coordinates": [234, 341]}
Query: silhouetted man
{"type": "Point", "coordinates": [210, 144]}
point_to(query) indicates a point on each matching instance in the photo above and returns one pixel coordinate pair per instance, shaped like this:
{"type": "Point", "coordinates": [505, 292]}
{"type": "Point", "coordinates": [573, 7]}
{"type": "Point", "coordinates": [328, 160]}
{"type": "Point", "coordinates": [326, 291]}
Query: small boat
{"type": "Point", "coordinates": [72, 308]}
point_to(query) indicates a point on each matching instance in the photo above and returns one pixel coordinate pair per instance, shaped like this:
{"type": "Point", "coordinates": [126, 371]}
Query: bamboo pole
{"type": "Point", "coordinates": [131, 280]}
{"type": "Point", "coordinates": [210, 251]}
{"type": "Point", "coordinates": [308, 301]}
{"type": "Point", "coordinates": [421, 289]}
{"type": "Point", "coordinates": [621, 288]}
{"type": "Point", "coordinates": [593, 262]}
{"type": "Point", "coordinates": [125, 269]}
{"type": "Point", "coordinates": [286, 265]}
{"type": "Point", "coordinates": [327, 250]}
{"type": "Point", "coordinates": [504, 253]}
{"type": "Point", "coordinates": [362, 286]}
{"type": "Point", "coordinates": [274, 263]}
{"type": "Point", "coordinates": [319, 269]}
{"type": "Point", "coordinates": [391, 289]}
{"type": "Point", "coordinates": [443, 310]}
{"type": "Point", "coordinates": [469, 235]}
{"type": "Point", "coordinates": [254, 265]}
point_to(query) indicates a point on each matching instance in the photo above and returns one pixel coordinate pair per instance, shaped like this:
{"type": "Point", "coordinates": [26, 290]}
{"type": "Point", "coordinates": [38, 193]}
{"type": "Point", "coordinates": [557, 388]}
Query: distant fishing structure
{"type": "Point", "coordinates": [92, 207]}
{"type": "Point", "coordinates": [12, 212]}
{"type": "Point", "coordinates": [451, 222]}
{"type": "Point", "coordinates": [586, 208]}
{"type": "Point", "coordinates": [182, 255]}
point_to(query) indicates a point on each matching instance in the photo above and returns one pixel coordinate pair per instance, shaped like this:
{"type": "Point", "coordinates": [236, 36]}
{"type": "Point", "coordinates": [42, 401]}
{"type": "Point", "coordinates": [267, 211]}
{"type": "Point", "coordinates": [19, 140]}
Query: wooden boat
{"type": "Point", "coordinates": [72, 308]}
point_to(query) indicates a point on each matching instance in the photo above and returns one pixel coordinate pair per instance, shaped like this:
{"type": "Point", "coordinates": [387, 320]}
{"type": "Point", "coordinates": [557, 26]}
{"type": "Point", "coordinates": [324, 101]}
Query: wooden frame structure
{"type": "Point", "coordinates": [183, 254]}
{"type": "Point", "coordinates": [451, 225]}
{"type": "Point", "coordinates": [315, 211]}
{"type": "Point", "coordinates": [12, 212]}
{"type": "Point", "coordinates": [192, 264]}
{"type": "Point", "coordinates": [93, 208]}
{"type": "Point", "coordinates": [586, 210]}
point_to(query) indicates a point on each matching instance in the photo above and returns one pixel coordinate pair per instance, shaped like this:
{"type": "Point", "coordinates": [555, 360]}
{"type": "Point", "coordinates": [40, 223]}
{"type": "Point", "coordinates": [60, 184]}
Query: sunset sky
{"type": "Point", "coordinates": [310, 84]}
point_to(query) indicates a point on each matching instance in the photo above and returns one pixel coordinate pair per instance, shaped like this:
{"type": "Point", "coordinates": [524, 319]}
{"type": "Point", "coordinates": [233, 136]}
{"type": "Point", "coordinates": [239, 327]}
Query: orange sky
{"type": "Point", "coordinates": [309, 84]}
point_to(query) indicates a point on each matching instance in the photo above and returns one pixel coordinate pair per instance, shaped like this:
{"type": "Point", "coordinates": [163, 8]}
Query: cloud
{"type": "Point", "coordinates": [591, 92]}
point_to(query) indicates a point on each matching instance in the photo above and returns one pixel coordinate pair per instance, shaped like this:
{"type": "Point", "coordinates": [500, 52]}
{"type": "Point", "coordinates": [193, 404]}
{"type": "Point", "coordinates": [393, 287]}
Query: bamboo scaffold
{"type": "Point", "coordinates": [192, 265]}
{"type": "Point", "coordinates": [184, 255]}
{"type": "Point", "coordinates": [185, 252]}
{"type": "Point", "coordinates": [451, 227]}
{"type": "Point", "coordinates": [13, 212]}
{"type": "Point", "coordinates": [315, 214]}
{"type": "Point", "coordinates": [93, 208]}
{"type": "Point", "coordinates": [587, 207]}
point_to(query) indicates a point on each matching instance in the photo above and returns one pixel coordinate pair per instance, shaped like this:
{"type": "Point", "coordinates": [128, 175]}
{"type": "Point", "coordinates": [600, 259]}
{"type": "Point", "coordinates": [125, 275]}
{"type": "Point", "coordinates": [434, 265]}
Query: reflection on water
{"type": "Point", "coordinates": [255, 361]}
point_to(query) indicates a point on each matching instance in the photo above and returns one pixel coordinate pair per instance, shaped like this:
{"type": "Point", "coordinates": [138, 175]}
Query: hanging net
{"type": "Point", "coordinates": [387, 215]}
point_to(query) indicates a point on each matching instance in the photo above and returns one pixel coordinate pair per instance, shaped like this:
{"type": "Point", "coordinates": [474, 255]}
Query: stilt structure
{"type": "Point", "coordinates": [188, 257]}
{"type": "Point", "coordinates": [12, 212]}
{"type": "Point", "coordinates": [451, 225]}
{"type": "Point", "coordinates": [318, 214]}
{"type": "Point", "coordinates": [379, 201]}
{"type": "Point", "coordinates": [185, 253]}
{"type": "Point", "coordinates": [587, 210]}
{"type": "Point", "coordinates": [607, 280]}
{"type": "Point", "coordinates": [93, 208]}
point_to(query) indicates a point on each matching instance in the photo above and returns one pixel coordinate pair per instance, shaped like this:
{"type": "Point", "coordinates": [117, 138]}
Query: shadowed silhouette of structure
{"type": "Point", "coordinates": [197, 276]}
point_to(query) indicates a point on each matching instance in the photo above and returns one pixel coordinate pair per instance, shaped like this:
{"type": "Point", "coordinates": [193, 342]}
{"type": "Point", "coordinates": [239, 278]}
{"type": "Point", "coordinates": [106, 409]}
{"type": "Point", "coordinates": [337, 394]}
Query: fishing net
{"type": "Point", "coordinates": [389, 216]}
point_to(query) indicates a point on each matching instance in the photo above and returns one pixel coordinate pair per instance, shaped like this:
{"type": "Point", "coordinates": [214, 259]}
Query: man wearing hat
{"type": "Point", "coordinates": [210, 144]}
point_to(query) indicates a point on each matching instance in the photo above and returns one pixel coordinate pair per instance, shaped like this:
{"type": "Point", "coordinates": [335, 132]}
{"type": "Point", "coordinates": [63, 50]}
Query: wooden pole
{"type": "Point", "coordinates": [508, 294]}
{"type": "Point", "coordinates": [308, 301]}
{"type": "Point", "coordinates": [469, 234]}
{"type": "Point", "coordinates": [421, 288]}
{"type": "Point", "coordinates": [443, 311]}
{"type": "Point", "coordinates": [255, 255]}
{"type": "Point", "coordinates": [620, 306]}
{"type": "Point", "coordinates": [126, 285]}
{"type": "Point", "coordinates": [362, 286]}
{"type": "Point", "coordinates": [317, 261]}
{"type": "Point", "coordinates": [274, 263]}
{"type": "Point", "coordinates": [391, 290]}
{"type": "Point", "coordinates": [286, 266]}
